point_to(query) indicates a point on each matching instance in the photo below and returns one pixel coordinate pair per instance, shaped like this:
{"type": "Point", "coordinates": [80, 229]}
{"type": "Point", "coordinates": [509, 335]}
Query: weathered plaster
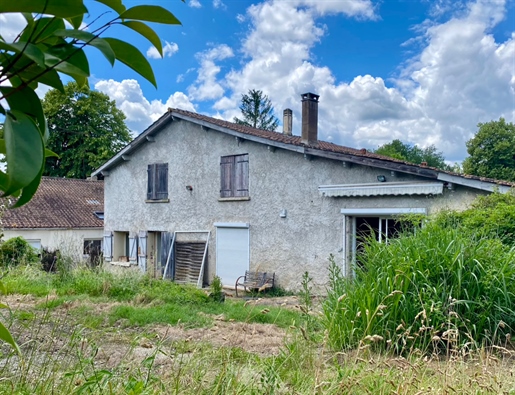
{"type": "Point", "coordinates": [278, 179]}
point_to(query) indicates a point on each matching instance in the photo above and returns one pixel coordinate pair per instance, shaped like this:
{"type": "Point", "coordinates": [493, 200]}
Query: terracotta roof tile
{"type": "Point", "coordinates": [60, 203]}
{"type": "Point", "coordinates": [323, 145]}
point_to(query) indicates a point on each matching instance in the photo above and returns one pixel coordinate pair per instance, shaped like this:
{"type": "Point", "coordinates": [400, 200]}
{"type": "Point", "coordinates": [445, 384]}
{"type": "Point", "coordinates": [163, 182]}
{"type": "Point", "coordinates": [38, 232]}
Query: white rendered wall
{"type": "Point", "coordinates": [69, 241]}
{"type": "Point", "coordinates": [278, 180]}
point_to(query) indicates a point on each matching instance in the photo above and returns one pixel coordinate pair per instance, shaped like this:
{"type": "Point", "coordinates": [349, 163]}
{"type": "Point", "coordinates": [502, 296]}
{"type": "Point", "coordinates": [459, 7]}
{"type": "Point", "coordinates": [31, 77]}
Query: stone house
{"type": "Point", "coordinates": [65, 214]}
{"type": "Point", "coordinates": [194, 196]}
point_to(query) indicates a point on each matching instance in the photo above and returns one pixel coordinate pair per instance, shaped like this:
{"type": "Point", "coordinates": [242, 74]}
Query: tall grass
{"type": "Point", "coordinates": [438, 289]}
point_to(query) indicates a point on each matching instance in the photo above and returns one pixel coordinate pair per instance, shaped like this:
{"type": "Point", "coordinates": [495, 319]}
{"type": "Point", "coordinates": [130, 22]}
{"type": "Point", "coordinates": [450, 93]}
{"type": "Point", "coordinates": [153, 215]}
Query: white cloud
{"type": "Point", "coordinates": [194, 4]}
{"type": "Point", "coordinates": [168, 50]}
{"type": "Point", "coordinates": [140, 112]}
{"type": "Point", "coordinates": [354, 8]}
{"type": "Point", "coordinates": [219, 4]}
{"type": "Point", "coordinates": [10, 25]}
{"type": "Point", "coordinates": [240, 18]}
{"type": "Point", "coordinates": [461, 76]}
{"type": "Point", "coordinates": [206, 86]}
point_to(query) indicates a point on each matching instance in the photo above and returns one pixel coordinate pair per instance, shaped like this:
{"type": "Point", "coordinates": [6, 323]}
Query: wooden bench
{"type": "Point", "coordinates": [255, 281]}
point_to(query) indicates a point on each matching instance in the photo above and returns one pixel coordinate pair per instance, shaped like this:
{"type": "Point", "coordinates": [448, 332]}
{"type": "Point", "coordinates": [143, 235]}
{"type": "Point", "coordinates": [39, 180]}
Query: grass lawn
{"type": "Point", "coordinates": [96, 333]}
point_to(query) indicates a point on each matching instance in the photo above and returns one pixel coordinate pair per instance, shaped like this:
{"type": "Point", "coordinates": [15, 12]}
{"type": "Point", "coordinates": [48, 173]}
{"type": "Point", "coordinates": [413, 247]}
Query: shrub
{"type": "Point", "coordinates": [439, 288]}
{"type": "Point", "coordinates": [16, 251]}
{"type": "Point", "coordinates": [492, 215]}
{"type": "Point", "coordinates": [49, 259]}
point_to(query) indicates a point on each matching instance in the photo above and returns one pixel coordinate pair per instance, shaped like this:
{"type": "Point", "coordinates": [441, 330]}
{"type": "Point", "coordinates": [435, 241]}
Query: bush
{"type": "Point", "coordinates": [492, 215]}
{"type": "Point", "coordinates": [441, 288]}
{"type": "Point", "coordinates": [16, 251]}
{"type": "Point", "coordinates": [49, 259]}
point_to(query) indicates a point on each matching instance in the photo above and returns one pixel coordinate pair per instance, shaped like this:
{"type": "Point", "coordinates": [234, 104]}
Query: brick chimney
{"type": "Point", "coordinates": [287, 122]}
{"type": "Point", "coordinates": [309, 118]}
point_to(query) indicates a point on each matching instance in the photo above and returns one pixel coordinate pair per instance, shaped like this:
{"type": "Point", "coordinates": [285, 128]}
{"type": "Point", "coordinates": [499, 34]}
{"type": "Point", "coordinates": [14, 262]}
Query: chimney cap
{"type": "Point", "coordinates": [310, 96]}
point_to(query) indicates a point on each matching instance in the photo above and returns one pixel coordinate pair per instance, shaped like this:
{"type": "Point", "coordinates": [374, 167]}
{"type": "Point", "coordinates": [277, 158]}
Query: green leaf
{"type": "Point", "coordinates": [116, 5]}
{"type": "Point", "coordinates": [29, 18]}
{"type": "Point", "coordinates": [91, 39]}
{"type": "Point", "coordinates": [4, 181]}
{"type": "Point", "coordinates": [30, 190]}
{"type": "Point", "coordinates": [146, 32]}
{"type": "Point", "coordinates": [31, 51]}
{"type": "Point", "coordinates": [6, 336]}
{"type": "Point", "coordinates": [24, 70]}
{"type": "Point", "coordinates": [150, 13]}
{"type": "Point", "coordinates": [68, 60]}
{"type": "Point", "coordinates": [3, 306]}
{"type": "Point", "coordinates": [25, 100]}
{"type": "Point", "coordinates": [3, 288]}
{"type": "Point", "coordinates": [49, 153]}
{"type": "Point", "coordinates": [24, 150]}
{"type": "Point", "coordinates": [133, 58]}
{"type": "Point", "coordinates": [59, 8]}
{"type": "Point", "coordinates": [42, 29]}
{"type": "Point", "coordinates": [76, 21]}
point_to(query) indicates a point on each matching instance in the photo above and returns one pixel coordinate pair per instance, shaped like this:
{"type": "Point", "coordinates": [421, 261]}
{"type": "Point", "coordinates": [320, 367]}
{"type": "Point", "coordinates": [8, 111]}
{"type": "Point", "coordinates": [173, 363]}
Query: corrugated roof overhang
{"type": "Point", "coordinates": [382, 189]}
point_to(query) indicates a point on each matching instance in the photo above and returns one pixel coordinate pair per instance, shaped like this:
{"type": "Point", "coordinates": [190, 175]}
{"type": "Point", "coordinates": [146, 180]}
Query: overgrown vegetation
{"type": "Point", "coordinates": [448, 287]}
{"type": "Point", "coordinates": [429, 312]}
{"type": "Point", "coordinates": [16, 251]}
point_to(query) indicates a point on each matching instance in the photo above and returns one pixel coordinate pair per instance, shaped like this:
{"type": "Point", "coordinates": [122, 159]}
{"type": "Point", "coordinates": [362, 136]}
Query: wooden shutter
{"type": "Point", "coordinates": [133, 248]}
{"type": "Point", "coordinates": [108, 246]}
{"type": "Point", "coordinates": [142, 251]}
{"type": "Point", "coordinates": [226, 176]}
{"type": "Point", "coordinates": [151, 172]}
{"type": "Point", "coordinates": [161, 181]}
{"type": "Point", "coordinates": [241, 175]}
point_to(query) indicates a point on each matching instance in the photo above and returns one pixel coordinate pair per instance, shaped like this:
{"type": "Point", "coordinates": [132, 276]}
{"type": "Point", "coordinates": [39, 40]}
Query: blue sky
{"type": "Point", "coordinates": [422, 71]}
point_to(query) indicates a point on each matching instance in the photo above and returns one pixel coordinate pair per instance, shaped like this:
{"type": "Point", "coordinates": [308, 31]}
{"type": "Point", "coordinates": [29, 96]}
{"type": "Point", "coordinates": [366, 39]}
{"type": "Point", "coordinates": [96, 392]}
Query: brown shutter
{"type": "Point", "coordinates": [226, 176]}
{"type": "Point", "coordinates": [150, 183]}
{"type": "Point", "coordinates": [161, 184]}
{"type": "Point", "coordinates": [241, 175]}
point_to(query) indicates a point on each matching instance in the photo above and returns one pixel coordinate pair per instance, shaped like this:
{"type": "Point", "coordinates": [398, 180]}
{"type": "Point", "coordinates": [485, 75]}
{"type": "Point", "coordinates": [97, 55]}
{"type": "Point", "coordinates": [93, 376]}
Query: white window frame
{"type": "Point", "coordinates": [352, 213]}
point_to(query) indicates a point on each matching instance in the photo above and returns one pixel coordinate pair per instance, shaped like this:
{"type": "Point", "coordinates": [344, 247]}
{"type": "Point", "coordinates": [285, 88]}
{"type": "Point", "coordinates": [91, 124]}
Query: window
{"type": "Point", "coordinates": [34, 243]}
{"type": "Point", "coordinates": [157, 187]}
{"type": "Point", "coordinates": [93, 246]}
{"type": "Point", "coordinates": [234, 176]}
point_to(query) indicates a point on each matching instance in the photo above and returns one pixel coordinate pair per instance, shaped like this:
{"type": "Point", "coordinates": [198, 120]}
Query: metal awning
{"type": "Point", "coordinates": [382, 189]}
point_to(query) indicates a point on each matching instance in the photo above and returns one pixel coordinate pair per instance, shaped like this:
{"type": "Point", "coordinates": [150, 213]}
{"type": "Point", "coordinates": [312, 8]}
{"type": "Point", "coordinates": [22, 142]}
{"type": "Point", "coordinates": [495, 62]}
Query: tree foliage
{"type": "Point", "coordinates": [257, 111]}
{"type": "Point", "coordinates": [85, 130]}
{"type": "Point", "coordinates": [52, 45]}
{"type": "Point", "coordinates": [414, 154]}
{"type": "Point", "coordinates": [492, 151]}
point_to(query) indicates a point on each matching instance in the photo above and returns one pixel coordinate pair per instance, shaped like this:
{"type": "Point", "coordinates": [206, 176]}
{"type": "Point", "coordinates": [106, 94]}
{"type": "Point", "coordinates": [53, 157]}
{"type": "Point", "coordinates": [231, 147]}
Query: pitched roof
{"type": "Point", "coordinates": [320, 148]}
{"type": "Point", "coordinates": [60, 203]}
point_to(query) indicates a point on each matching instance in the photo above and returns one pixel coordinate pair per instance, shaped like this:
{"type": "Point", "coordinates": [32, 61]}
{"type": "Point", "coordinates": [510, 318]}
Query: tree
{"type": "Point", "coordinates": [85, 130]}
{"type": "Point", "coordinates": [492, 151]}
{"type": "Point", "coordinates": [411, 153]}
{"type": "Point", "coordinates": [257, 111]}
{"type": "Point", "coordinates": [41, 53]}
{"type": "Point", "coordinates": [52, 44]}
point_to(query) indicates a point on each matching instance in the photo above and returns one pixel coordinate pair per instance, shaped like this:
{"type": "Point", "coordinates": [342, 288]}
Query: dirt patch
{"type": "Point", "coordinates": [262, 339]}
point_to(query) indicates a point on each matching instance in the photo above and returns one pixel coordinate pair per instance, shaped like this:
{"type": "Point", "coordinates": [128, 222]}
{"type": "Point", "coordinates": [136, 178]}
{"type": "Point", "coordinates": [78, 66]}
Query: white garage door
{"type": "Point", "coordinates": [232, 251]}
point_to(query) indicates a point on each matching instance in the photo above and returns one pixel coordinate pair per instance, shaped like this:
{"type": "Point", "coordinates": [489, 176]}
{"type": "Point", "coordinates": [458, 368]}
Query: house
{"type": "Point", "coordinates": [194, 196]}
{"type": "Point", "coordinates": [64, 214]}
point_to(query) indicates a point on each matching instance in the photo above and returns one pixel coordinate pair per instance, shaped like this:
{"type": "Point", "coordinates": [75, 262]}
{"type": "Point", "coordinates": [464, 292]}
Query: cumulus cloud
{"type": "Point", "coordinates": [206, 86]}
{"type": "Point", "coordinates": [460, 76]}
{"type": "Point", "coordinates": [354, 8]}
{"type": "Point", "coordinates": [219, 4]}
{"type": "Point", "coordinates": [194, 4]}
{"type": "Point", "coordinates": [168, 50]}
{"type": "Point", "coordinates": [140, 112]}
{"type": "Point", "coordinates": [10, 25]}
